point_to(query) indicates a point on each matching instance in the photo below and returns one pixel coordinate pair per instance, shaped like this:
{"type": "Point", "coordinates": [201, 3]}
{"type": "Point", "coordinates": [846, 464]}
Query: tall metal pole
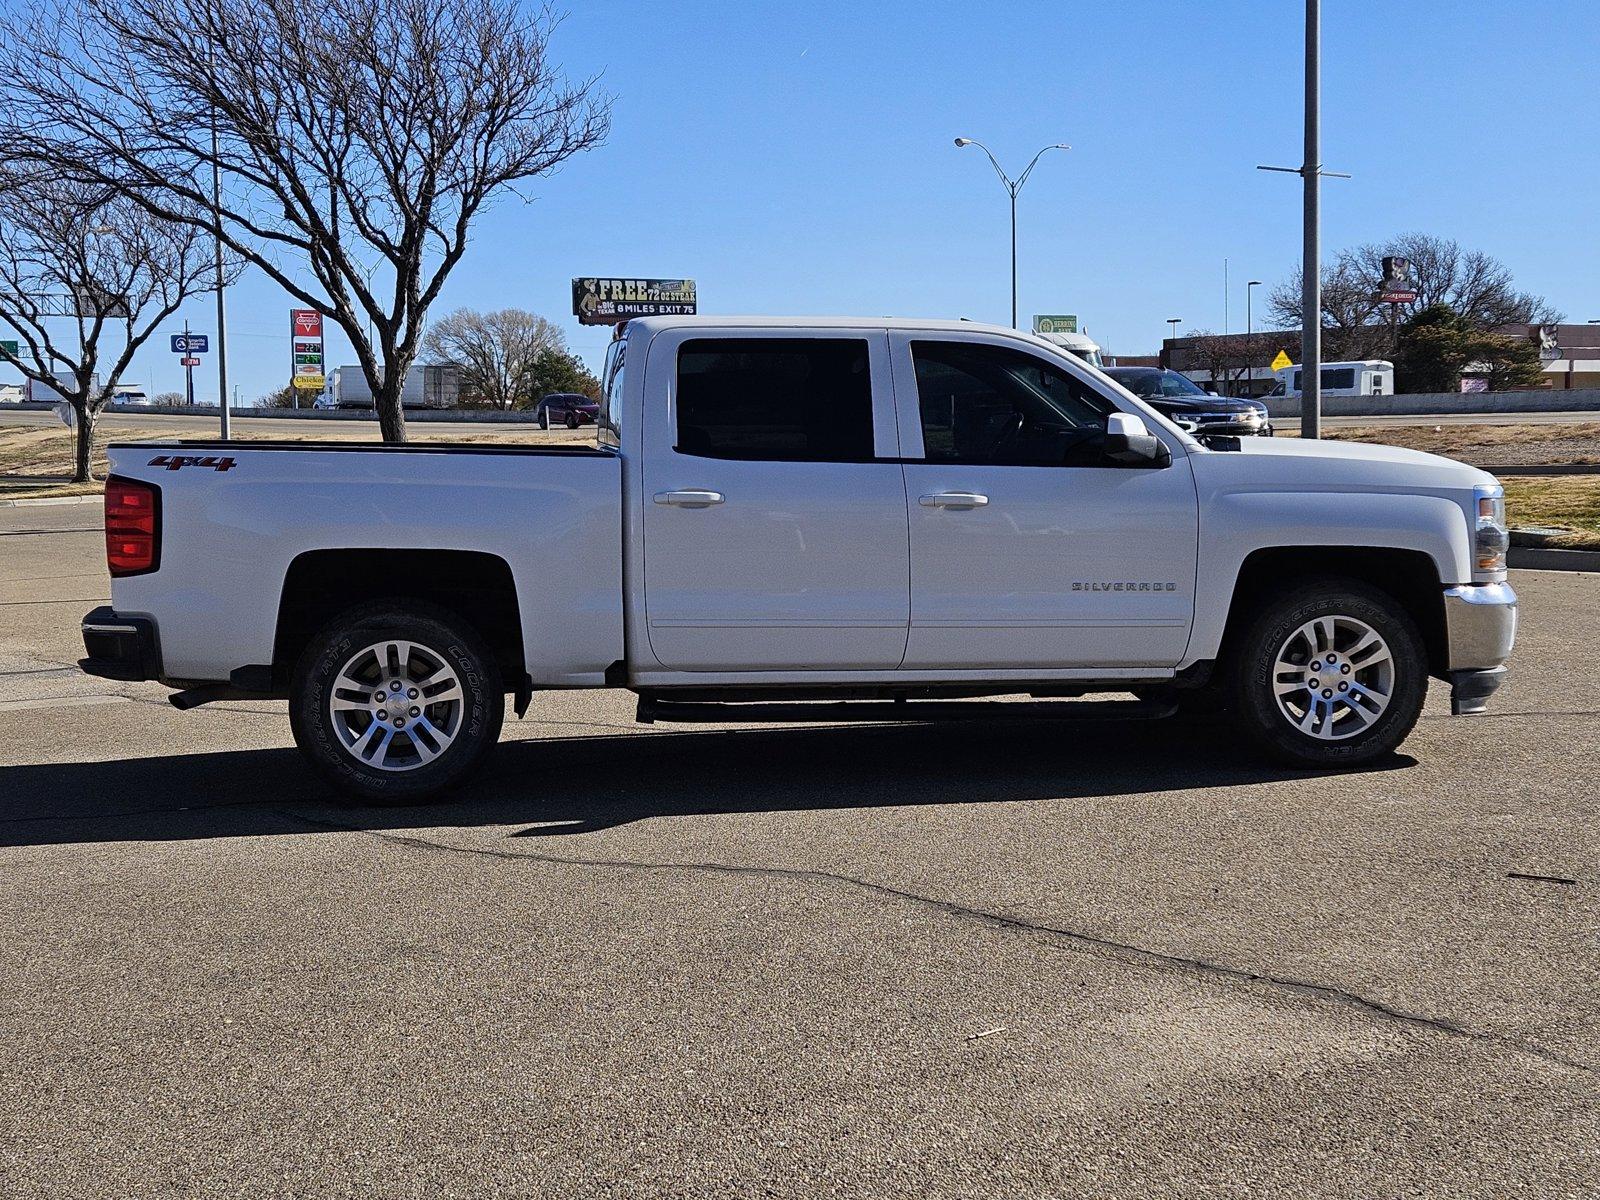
{"type": "Point", "coordinates": [188, 369]}
{"type": "Point", "coordinates": [1249, 340]}
{"type": "Point", "coordinates": [1013, 190]}
{"type": "Point", "coordinates": [222, 315]}
{"type": "Point", "coordinates": [1311, 254]}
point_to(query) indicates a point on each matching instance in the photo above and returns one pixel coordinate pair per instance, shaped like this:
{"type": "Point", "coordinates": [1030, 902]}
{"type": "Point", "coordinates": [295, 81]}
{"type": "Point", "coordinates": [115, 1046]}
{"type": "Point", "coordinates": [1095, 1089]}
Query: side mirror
{"type": "Point", "coordinates": [1129, 441]}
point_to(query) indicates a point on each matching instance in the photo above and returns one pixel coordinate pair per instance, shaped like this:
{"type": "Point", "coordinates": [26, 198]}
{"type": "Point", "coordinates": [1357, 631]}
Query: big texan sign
{"type": "Point", "coordinates": [610, 301]}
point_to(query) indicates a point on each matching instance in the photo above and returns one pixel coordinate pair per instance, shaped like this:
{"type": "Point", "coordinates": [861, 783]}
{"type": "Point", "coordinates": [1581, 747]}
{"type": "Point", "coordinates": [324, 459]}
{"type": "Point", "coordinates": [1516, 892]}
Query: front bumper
{"type": "Point", "coordinates": [1480, 630]}
{"type": "Point", "coordinates": [119, 647]}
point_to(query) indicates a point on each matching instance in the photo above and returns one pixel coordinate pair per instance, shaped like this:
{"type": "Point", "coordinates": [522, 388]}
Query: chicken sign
{"type": "Point", "coordinates": [305, 324]}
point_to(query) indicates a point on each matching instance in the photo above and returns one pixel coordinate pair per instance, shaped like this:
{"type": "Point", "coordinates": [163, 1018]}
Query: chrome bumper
{"type": "Point", "coordinates": [1480, 628]}
{"type": "Point", "coordinates": [1480, 624]}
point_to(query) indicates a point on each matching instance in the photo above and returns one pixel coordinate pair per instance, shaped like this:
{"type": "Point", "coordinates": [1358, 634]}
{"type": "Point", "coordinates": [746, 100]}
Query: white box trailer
{"type": "Point", "coordinates": [1368, 377]}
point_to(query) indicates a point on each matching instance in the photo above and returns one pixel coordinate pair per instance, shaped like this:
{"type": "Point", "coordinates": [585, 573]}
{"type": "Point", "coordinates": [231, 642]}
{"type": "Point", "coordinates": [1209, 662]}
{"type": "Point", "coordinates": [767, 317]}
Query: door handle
{"type": "Point", "coordinates": [690, 498]}
{"type": "Point", "coordinates": [953, 500]}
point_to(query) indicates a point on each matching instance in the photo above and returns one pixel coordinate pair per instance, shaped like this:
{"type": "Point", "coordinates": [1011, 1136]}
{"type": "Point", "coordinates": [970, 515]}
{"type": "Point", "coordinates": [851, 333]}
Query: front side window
{"type": "Point", "coordinates": [993, 405]}
{"type": "Point", "coordinates": [775, 399]}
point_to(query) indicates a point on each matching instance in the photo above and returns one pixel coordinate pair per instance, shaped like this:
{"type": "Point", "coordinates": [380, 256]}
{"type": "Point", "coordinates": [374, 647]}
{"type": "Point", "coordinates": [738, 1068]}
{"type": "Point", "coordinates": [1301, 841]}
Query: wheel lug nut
{"type": "Point", "coordinates": [1327, 694]}
{"type": "Point", "coordinates": [417, 712]}
{"type": "Point", "coordinates": [395, 686]}
{"type": "Point", "coordinates": [1343, 686]}
{"type": "Point", "coordinates": [1316, 666]}
{"type": "Point", "coordinates": [399, 722]}
{"type": "Point", "coordinates": [1345, 670]}
{"type": "Point", "coordinates": [382, 716]}
{"type": "Point", "coordinates": [412, 693]}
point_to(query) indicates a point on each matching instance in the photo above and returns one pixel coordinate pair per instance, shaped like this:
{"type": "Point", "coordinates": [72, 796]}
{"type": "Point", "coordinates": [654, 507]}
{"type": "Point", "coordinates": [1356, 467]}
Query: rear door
{"type": "Point", "coordinates": [774, 508]}
{"type": "Point", "coordinates": [1028, 548]}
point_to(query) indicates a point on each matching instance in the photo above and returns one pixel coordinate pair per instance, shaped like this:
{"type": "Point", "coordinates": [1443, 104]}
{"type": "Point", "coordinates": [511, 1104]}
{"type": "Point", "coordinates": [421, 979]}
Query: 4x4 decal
{"type": "Point", "coordinates": [173, 462]}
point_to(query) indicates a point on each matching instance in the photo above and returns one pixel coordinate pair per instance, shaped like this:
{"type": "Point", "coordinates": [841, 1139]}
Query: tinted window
{"type": "Point", "coordinates": [781, 399]}
{"type": "Point", "coordinates": [1345, 377]}
{"type": "Point", "coordinates": [993, 405]}
{"type": "Point", "coordinates": [608, 421]}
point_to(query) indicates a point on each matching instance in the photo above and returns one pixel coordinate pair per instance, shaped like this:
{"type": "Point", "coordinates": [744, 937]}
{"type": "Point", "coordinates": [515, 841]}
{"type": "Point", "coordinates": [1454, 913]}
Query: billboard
{"type": "Point", "coordinates": [1396, 286]}
{"type": "Point", "coordinates": [597, 301]}
{"type": "Point", "coordinates": [1055, 324]}
{"type": "Point", "coordinates": [305, 330]}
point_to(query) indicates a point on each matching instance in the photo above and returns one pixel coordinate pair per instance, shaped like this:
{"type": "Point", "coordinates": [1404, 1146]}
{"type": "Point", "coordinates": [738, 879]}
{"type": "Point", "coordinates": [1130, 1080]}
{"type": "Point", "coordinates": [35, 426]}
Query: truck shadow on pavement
{"type": "Point", "coordinates": [564, 786]}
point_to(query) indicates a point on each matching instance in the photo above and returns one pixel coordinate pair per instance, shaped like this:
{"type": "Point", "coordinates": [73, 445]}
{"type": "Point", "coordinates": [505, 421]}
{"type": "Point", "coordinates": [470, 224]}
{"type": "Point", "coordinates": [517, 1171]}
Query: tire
{"type": "Point", "coordinates": [544, 418]}
{"type": "Point", "coordinates": [1368, 695]}
{"type": "Point", "coordinates": [572, 420]}
{"type": "Point", "coordinates": [413, 755]}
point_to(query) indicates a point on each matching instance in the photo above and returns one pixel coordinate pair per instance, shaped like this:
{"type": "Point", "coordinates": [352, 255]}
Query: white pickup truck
{"type": "Point", "coordinates": [884, 515]}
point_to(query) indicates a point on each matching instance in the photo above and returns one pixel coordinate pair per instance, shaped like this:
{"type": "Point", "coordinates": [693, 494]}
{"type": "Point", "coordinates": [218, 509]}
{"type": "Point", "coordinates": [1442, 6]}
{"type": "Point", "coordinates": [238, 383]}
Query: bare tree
{"type": "Point", "coordinates": [497, 353]}
{"type": "Point", "coordinates": [1357, 325]}
{"type": "Point", "coordinates": [172, 399]}
{"type": "Point", "coordinates": [78, 257]}
{"type": "Point", "coordinates": [357, 138]}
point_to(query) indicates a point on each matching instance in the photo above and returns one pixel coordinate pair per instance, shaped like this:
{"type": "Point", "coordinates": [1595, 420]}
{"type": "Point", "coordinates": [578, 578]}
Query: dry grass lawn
{"type": "Point", "coordinates": [1492, 447]}
{"type": "Point", "coordinates": [37, 461]}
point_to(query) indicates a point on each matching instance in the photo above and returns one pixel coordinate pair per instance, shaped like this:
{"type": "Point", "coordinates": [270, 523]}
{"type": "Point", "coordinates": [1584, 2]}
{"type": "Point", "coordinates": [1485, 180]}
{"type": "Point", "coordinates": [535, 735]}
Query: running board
{"type": "Point", "coordinates": [651, 709]}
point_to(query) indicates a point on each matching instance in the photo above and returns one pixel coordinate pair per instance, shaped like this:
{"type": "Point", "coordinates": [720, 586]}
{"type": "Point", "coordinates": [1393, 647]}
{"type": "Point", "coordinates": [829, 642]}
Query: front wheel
{"type": "Point", "coordinates": [572, 420]}
{"type": "Point", "coordinates": [1331, 674]}
{"type": "Point", "coordinates": [544, 418]}
{"type": "Point", "coordinates": [394, 702]}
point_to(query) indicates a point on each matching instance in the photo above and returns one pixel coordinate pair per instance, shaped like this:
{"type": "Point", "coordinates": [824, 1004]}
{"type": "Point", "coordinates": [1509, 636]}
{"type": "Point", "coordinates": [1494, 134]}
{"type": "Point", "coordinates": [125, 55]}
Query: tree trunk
{"type": "Point", "coordinates": [83, 456]}
{"type": "Point", "coordinates": [391, 419]}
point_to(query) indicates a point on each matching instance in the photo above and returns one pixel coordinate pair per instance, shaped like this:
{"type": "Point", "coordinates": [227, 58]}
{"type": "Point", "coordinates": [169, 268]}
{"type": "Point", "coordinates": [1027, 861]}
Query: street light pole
{"type": "Point", "coordinates": [1172, 335]}
{"type": "Point", "coordinates": [1249, 338]}
{"type": "Point", "coordinates": [1311, 254]}
{"type": "Point", "coordinates": [1012, 186]}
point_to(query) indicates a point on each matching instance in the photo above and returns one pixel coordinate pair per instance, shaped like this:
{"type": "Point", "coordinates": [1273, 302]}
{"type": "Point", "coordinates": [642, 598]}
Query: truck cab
{"type": "Point", "coordinates": [864, 513]}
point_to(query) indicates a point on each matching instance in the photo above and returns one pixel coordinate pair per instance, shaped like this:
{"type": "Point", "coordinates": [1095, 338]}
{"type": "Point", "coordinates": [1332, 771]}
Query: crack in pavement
{"type": "Point", "coordinates": [1121, 951]}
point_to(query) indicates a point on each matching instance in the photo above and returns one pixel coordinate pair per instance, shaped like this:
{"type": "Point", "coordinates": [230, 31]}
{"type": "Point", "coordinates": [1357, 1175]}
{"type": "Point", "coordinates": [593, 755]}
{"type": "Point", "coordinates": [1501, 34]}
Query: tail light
{"type": "Point", "coordinates": [133, 526]}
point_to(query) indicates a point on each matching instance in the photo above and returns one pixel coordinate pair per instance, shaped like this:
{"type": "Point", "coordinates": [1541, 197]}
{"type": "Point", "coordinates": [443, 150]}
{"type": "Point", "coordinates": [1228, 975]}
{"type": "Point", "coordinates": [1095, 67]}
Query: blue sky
{"type": "Point", "coordinates": [797, 158]}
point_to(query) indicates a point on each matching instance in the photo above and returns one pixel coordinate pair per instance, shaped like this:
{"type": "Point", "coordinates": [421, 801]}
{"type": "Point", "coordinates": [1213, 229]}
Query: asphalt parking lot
{"type": "Point", "coordinates": [1008, 959]}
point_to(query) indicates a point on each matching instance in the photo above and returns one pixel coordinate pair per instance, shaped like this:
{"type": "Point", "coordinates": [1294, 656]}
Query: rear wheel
{"type": "Point", "coordinates": [394, 702]}
{"type": "Point", "coordinates": [1333, 673]}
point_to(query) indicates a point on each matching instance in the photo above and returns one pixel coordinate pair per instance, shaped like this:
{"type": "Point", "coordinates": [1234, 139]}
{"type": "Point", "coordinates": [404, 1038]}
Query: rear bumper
{"type": "Point", "coordinates": [1480, 629]}
{"type": "Point", "coordinates": [119, 647]}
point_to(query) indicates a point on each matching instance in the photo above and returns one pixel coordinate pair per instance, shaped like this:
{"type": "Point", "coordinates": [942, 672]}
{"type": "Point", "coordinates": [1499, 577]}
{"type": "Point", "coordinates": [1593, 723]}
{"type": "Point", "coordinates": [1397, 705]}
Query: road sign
{"type": "Point", "coordinates": [188, 362]}
{"type": "Point", "coordinates": [1282, 360]}
{"type": "Point", "coordinates": [10, 347]}
{"type": "Point", "coordinates": [1055, 324]}
{"type": "Point", "coordinates": [191, 343]}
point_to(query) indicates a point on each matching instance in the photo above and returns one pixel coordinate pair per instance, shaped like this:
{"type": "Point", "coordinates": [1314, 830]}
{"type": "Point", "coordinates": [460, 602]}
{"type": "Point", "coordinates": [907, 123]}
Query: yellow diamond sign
{"type": "Point", "coordinates": [1282, 360]}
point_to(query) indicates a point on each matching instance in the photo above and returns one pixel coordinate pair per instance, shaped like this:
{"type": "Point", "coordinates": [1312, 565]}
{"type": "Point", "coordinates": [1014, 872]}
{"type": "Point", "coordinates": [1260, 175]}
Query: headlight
{"type": "Point", "coordinates": [1490, 537]}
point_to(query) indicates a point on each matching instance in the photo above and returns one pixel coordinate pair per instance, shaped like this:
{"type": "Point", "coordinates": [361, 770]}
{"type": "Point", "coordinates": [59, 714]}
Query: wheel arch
{"type": "Point", "coordinates": [1410, 577]}
{"type": "Point", "coordinates": [476, 586]}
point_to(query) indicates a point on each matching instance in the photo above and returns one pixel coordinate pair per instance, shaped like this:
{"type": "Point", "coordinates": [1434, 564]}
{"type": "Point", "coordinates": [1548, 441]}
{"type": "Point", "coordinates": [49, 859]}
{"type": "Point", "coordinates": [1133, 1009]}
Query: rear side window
{"type": "Point", "coordinates": [775, 399]}
{"type": "Point", "coordinates": [1344, 377]}
{"type": "Point", "coordinates": [608, 421]}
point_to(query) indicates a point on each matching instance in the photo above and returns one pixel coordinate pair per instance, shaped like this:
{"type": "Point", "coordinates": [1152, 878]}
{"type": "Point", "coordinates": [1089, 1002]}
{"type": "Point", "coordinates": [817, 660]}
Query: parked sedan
{"type": "Point", "coordinates": [1178, 398]}
{"type": "Point", "coordinates": [570, 408]}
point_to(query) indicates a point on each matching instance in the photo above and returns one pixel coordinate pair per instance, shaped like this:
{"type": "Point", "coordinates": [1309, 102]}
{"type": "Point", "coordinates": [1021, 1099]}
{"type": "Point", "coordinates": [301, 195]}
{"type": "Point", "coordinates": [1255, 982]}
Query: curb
{"type": "Point", "coordinates": [41, 501]}
{"type": "Point", "coordinates": [1531, 558]}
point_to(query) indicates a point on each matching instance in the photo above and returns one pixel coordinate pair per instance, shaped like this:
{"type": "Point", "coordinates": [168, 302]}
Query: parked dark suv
{"type": "Point", "coordinates": [1179, 399]}
{"type": "Point", "coordinates": [569, 408]}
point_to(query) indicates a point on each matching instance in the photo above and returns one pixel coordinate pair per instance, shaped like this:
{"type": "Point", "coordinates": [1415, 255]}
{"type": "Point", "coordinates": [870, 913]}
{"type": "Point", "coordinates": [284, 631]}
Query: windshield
{"type": "Point", "coordinates": [1151, 382]}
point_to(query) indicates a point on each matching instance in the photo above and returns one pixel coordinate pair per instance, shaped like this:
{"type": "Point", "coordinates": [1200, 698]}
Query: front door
{"type": "Point", "coordinates": [775, 538]}
{"type": "Point", "coordinates": [1028, 547]}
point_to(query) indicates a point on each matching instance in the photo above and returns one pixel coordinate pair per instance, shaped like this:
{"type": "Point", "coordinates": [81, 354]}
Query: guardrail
{"type": "Point", "coordinates": [1427, 404]}
{"type": "Point", "coordinates": [209, 412]}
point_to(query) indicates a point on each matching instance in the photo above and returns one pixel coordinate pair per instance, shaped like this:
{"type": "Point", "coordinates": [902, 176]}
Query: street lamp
{"type": "Point", "coordinates": [1012, 186]}
{"type": "Point", "coordinates": [1249, 348]}
{"type": "Point", "coordinates": [1172, 335]}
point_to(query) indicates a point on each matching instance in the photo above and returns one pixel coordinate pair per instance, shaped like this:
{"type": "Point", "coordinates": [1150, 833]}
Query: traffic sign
{"type": "Point", "coordinates": [188, 362]}
{"type": "Point", "coordinates": [9, 346]}
{"type": "Point", "coordinates": [1282, 360]}
{"type": "Point", "coordinates": [191, 343]}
